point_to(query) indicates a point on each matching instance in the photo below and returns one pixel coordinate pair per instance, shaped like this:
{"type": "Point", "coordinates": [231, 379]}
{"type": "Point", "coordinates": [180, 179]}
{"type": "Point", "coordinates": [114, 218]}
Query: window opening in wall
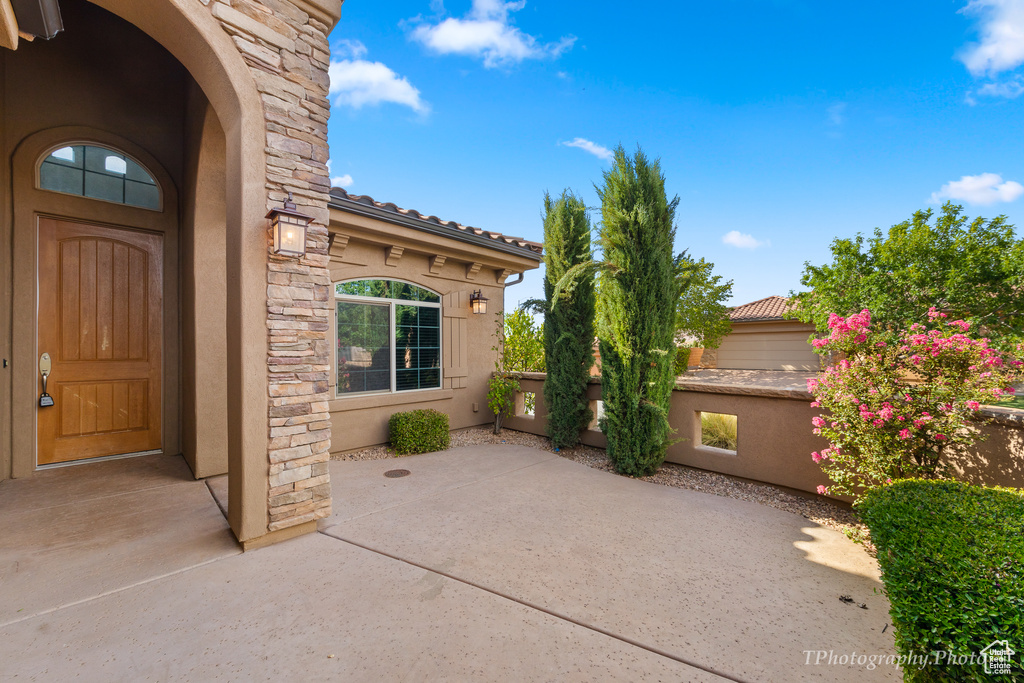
{"type": "Point", "coordinates": [597, 410]}
{"type": "Point", "coordinates": [99, 173]}
{"type": "Point", "coordinates": [388, 337]}
{"type": "Point", "coordinates": [529, 403]}
{"type": "Point", "coordinates": [718, 430]}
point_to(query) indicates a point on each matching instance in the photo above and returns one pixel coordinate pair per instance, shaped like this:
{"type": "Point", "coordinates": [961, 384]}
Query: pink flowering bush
{"type": "Point", "coordinates": [899, 401]}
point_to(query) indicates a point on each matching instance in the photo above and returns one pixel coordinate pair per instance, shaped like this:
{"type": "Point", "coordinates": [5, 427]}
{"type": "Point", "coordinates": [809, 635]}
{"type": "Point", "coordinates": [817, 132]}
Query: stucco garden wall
{"type": "Point", "coordinates": [774, 439]}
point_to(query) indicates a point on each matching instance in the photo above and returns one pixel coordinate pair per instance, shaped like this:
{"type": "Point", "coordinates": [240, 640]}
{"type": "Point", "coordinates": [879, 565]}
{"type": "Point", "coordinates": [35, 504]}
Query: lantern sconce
{"type": "Point", "coordinates": [289, 226]}
{"type": "Point", "coordinates": [478, 302]}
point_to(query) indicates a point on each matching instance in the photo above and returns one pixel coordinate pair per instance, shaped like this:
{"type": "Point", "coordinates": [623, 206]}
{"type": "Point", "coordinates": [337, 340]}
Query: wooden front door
{"type": "Point", "coordinates": [100, 313]}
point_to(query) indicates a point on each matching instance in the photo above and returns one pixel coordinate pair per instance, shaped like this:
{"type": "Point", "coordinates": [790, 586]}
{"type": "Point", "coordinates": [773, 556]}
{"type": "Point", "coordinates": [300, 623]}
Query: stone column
{"type": "Point", "coordinates": [288, 55]}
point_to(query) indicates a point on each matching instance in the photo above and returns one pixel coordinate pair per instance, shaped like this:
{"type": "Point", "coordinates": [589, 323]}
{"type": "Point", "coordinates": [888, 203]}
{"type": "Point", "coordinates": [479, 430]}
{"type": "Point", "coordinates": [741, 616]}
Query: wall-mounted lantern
{"type": "Point", "coordinates": [478, 302]}
{"type": "Point", "coordinates": [289, 229]}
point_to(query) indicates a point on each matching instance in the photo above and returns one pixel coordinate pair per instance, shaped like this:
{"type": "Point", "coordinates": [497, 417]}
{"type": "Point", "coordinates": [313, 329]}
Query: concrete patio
{"type": "Point", "coordinates": [485, 563]}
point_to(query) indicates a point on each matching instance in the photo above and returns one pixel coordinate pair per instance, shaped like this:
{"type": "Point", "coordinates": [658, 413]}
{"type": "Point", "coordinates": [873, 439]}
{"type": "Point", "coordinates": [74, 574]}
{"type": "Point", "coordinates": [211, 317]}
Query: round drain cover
{"type": "Point", "coordinates": [395, 474]}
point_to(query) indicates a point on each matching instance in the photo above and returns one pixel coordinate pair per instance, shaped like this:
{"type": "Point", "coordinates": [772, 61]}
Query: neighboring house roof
{"type": "Point", "coordinates": [387, 211]}
{"type": "Point", "coordinates": [768, 308]}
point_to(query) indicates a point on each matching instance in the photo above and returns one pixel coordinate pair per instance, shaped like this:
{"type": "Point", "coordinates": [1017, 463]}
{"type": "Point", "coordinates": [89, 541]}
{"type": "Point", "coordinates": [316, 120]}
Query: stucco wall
{"type": "Point", "coordinates": [125, 83]}
{"type": "Point", "coordinates": [364, 249]}
{"type": "Point", "coordinates": [774, 439]}
{"type": "Point", "coordinates": [205, 395]}
{"type": "Point", "coordinates": [768, 346]}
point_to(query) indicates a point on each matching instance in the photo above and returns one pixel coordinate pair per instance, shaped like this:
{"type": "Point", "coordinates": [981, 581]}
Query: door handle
{"type": "Point", "coordinates": [45, 400]}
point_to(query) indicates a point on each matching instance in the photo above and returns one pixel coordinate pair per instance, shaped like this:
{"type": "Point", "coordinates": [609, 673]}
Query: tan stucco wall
{"type": "Point", "coordinates": [6, 288]}
{"type": "Point", "coordinates": [768, 346]}
{"type": "Point", "coordinates": [998, 460]}
{"type": "Point", "coordinates": [773, 435]}
{"type": "Point", "coordinates": [360, 421]}
{"type": "Point", "coordinates": [204, 292]}
{"type": "Point", "coordinates": [774, 439]}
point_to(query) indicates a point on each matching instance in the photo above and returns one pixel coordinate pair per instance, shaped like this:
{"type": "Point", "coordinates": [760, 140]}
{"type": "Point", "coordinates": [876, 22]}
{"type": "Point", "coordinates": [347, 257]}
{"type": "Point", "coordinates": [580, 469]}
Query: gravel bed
{"type": "Point", "coordinates": [818, 510]}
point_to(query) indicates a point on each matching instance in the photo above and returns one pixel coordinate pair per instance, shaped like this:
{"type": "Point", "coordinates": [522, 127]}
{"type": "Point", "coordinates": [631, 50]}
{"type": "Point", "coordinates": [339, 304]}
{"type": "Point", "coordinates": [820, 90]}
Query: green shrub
{"type": "Point", "coordinates": [901, 401]}
{"type": "Point", "coordinates": [568, 320]}
{"type": "Point", "coordinates": [503, 385]}
{"type": "Point", "coordinates": [501, 396]}
{"type": "Point", "coordinates": [718, 430]}
{"type": "Point", "coordinates": [419, 431]}
{"type": "Point", "coordinates": [952, 560]}
{"type": "Point", "coordinates": [638, 287]}
{"type": "Point", "coordinates": [682, 359]}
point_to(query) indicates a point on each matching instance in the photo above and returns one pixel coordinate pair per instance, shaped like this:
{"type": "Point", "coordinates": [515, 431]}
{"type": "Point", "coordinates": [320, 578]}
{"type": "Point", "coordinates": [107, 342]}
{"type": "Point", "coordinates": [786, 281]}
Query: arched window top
{"type": "Point", "coordinates": [386, 289]}
{"type": "Point", "coordinates": [99, 173]}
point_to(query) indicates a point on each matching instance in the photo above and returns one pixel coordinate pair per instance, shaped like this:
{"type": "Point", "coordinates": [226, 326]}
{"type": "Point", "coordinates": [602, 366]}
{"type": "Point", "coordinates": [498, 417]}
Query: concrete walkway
{"type": "Point", "coordinates": [485, 563]}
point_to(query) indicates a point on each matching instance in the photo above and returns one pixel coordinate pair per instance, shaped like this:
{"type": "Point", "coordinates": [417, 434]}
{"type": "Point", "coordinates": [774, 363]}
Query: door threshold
{"type": "Point", "coordinates": [105, 458]}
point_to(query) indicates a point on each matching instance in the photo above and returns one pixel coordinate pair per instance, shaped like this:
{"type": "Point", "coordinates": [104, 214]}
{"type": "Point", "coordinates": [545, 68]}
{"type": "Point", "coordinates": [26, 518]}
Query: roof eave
{"type": "Point", "coordinates": [361, 209]}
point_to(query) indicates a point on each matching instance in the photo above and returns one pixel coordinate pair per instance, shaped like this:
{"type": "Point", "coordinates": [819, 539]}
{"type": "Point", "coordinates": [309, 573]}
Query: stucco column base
{"type": "Point", "coordinates": [278, 536]}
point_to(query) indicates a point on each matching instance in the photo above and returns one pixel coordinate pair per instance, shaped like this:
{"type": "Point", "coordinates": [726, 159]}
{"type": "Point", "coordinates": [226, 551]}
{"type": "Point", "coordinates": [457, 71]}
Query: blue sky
{"type": "Point", "coordinates": [781, 124]}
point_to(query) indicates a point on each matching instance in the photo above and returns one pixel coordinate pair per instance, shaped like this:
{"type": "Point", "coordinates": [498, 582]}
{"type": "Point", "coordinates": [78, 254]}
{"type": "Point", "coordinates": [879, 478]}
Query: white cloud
{"type": "Point", "coordinates": [587, 146]}
{"type": "Point", "coordinates": [352, 49]}
{"type": "Point", "coordinates": [486, 33]}
{"type": "Point", "coordinates": [1011, 89]}
{"type": "Point", "coordinates": [342, 181]}
{"type": "Point", "coordinates": [735, 238]}
{"type": "Point", "coordinates": [837, 113]}
{"type": "Point", "coordinates": [358, 82]}
{"type": "Point", "coordinates": [1001, 48]}
{"type": "Point", "coordinates": [987, 188]}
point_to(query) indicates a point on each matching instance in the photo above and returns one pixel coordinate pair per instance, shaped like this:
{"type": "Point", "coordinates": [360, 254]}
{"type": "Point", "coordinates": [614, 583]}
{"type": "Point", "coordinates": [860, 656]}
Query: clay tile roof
{"type": "Point", "coordinates": [340, 198]}
{"type": "Point", "coordinates": [768, 308]}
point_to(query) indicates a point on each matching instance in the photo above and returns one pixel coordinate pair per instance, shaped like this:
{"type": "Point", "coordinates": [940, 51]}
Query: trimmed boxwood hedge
{"type": "Point", "coordinates": [952, 560]}
{"type": "Point", "coordinates": [419, 431]}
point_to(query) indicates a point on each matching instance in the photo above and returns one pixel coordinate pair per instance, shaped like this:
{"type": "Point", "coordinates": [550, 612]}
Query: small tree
{"type": "Point", "coordinates": [523, 343]}
{"type": "Point", "coordinates": [638, 287]}
{"type": "Point", "coordinates": [503, 385]}
{"type": "Point", "coordinates": [901, 400]}
{"type": "Point", "coordinates": [971, 270]}
{"type": "Point", "coordinates": [701, 311]}
{"type": "Point", "coordinates": [568, 320]}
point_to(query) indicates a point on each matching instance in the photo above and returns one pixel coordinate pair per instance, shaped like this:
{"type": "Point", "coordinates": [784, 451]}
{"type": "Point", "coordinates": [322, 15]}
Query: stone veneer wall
{"type": "Point", "coordinates": [288, 55]}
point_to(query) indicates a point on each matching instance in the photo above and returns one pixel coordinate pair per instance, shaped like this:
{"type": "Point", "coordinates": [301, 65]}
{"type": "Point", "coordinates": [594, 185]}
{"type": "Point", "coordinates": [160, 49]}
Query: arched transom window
{"type": "Point", "coordinates": [99, 173]}
{"type": "Point", "coordinates": [388, 337]}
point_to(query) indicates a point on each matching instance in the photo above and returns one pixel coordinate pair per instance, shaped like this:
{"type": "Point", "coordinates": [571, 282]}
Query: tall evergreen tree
{"type": "Point", "coordinates": [568, 320]}
{"type": "Point", "coordinates": [638, 286]}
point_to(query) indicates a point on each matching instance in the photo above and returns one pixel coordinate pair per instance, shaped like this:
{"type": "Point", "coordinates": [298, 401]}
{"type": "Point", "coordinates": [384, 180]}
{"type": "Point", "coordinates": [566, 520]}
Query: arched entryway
{"type": "Point", "coordinates": [161, 83]}
{"type": "Point", "coordinates": [189, 32]}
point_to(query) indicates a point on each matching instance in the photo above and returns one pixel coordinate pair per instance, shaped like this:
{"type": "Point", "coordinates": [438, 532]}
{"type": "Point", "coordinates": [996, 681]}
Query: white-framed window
{"type": "Point", "coordinates": [388, 337]}
{"type": "Point", "coordinates": [99, 173]}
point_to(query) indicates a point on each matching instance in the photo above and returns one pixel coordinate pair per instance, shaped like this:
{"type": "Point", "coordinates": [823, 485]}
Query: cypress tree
{"type": "Point", "coordinates": [568, 320]}
{"type": "Point", "coordinates": [638, 287]}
